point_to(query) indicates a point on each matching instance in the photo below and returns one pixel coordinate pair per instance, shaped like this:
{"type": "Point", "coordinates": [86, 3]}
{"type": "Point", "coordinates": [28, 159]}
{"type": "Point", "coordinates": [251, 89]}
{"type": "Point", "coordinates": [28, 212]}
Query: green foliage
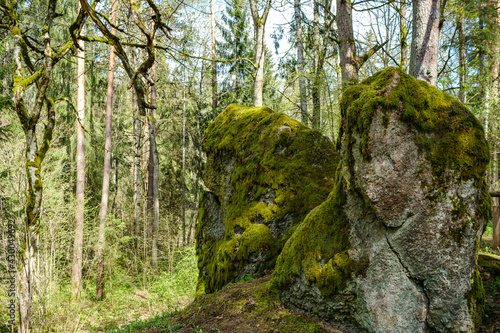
{"type": "Point", "coordinates": [181, 280]}
{"type": "Point", "coordinates": [237, 85]}
{"type": "Point", "coordinates": [160, 322]}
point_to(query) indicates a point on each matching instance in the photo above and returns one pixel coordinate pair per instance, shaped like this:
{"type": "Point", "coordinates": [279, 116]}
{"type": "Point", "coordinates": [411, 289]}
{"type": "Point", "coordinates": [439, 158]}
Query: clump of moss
{"type": "Point", "coordinates": [318, 248]}
{"type": "Point", "coordinates": [445, 130]}
{"type": "Point", "coordinates": [475, 298]}
{"type": "Point", "coordinates": [281, 170]}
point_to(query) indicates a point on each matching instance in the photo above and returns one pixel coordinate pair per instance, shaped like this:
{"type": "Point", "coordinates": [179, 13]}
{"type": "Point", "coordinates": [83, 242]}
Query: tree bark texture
{"type": "Point", "coordinates": [316, 86]}
{"type": "Point", "coordinates": [259, 23]}
{"type": "Point", "coordinates": [76, 277]}
{"type": "Point", "coordinates": [214, 55]}
{"type": "Point", "coordinates": [300, 63]}
{"type": "Point", "coordinates": [348, 59]}
{"type": "Point", "coordinates": [183, 203]}
{"type": "Point", "coordinates": [425, 40]}
{"type": "Point", "coordinates": [137, 171]}
{"type": "Point", "coordinates": [101, 242]}
{"type": "Point", "coordinates": [403, 34]}
{"type": "Point", "coordinates": [462, 70]}
{"type": "Point", "coordinates": [153, 173]}
{"type": "Point", "coordinates": [493, 22]}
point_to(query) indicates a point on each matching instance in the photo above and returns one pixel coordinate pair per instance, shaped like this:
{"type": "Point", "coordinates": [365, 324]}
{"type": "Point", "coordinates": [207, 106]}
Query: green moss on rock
{"type": "Point", "coordinates": [267, 171]}
{"type": "Point", "coordinates": [459, 144]}
{"type": "Point", "coordinates": [318, 249]}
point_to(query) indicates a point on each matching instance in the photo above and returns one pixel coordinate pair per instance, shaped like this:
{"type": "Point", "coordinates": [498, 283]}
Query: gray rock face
{"type": "Point", "coordinates": [408, 211]}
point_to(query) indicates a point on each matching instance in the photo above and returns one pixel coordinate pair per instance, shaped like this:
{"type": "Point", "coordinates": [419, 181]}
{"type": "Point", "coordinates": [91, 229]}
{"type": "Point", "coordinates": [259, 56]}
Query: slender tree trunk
{"type": "Point", "coordinates": [145, 176]}
{"type": "Point", "coordinates": [316, 86]}
{"type": "Point", "coordinates": [348, 59]}
{"type": "Point", "coordinates": [154, 173]}
{"type": "Point", "coordinates": [101, 242]}
{"type": "Point", "coordinates": [34, 158]}
{"type": "Point", "coordinates": [137, 171]}
{"type": "Point", "coordinates": [115, 183]}
{"type": "Point", "coordinates": [300, 63]}
{"type": "Point", "coordinates": [184, 171]}
{"type": "Point", "coordinates": [76, 277]}
{"type": "Point", "coordinates": [6, 61]}
{"type": "Point", "coordinates": [492, 85]}
{"type": "Point", "coordinates": [425, 40]}
{"type": "Point", "coordinates": [259, 61]}
{"type": "Point", "coordinates": [259, 24]}
{"type": "Point", "coordinates": [462, 70]}
{"type": "Point", "coordinates": [403, 35]}
{"type": "Point", "coordinates": [214, 55]}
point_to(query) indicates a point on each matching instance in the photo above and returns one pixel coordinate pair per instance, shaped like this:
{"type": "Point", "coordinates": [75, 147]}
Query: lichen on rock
{"type": "Point", "coordinates": [393, 248]}
{"type": "Point", "coordinates": [265, 172]}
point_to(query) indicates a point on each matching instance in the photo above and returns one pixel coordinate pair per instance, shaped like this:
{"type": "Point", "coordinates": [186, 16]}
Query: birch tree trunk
{"type": "Point", "coordinates": [300, 63]}
{"type": "Point", "coordinates": [425, 40]}
{"type": "Point", "coordinates": [101, 242]}
{"type": "Point", "coordinates": [76, 277]}
{"type": "Point", "coordinates": [259, 24]}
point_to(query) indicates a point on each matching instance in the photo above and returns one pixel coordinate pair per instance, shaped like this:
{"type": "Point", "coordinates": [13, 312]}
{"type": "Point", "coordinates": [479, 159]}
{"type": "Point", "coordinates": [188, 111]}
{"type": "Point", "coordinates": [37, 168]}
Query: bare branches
{"type": "Point", "coordinates": [370, 52]}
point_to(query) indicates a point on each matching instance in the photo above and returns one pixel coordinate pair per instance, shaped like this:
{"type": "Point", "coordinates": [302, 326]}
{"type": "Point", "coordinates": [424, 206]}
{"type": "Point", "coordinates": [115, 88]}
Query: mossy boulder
{"type": "Point", "coordinates": [394, 247]}
{"type": "Point", "coordinates": [265, 172]}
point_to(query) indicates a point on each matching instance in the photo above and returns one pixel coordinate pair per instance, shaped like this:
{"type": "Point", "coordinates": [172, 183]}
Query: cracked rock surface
{"type": "Point", "coordinates": [404, 220]}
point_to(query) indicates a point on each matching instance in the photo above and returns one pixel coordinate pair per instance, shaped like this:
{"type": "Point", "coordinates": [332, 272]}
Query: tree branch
{"type": "Point", "coordinates": [369, 53]}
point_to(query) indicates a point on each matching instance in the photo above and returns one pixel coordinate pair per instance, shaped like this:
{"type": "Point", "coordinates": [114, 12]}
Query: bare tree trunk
{"type": "Point", "coordinates": [259, 24]}
{"type": "Point", "coordinates": [462, 70]}
{"type": "Point", "coordinates": [348, 59]}
{"type": "Point", "coordinates": [7, 60]}
{"type": "Point", "coordinates": [76, 277]}
{"type": "Point", "coordinates": [315, 93]}
{"type": "Point", "coordinates": [300, 63]}
{"type": "Point", "coordinates": [493, 63]}
{"type": "Point", "coordinates": [154, 172]}
{"type": "Point", "coordinates": [145, 180]}
{"type": "Point", "coordinates": [137, 171]}
{"type": "Point", "coordinates": [214, 55]}
{"type": "Point", "coordinates": [101, 242]}
{"type": "Point", "coordinates": [184, 171]}
{"type": "Point", "coordinates": [425, 40]}
{"type": "Point", "coordinates": [403, 35]}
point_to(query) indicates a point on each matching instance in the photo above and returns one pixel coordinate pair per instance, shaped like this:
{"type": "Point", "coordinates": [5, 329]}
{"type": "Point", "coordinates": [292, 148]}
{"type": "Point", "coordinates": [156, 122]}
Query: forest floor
{"type": "Point", "coordinates": [166, 305]}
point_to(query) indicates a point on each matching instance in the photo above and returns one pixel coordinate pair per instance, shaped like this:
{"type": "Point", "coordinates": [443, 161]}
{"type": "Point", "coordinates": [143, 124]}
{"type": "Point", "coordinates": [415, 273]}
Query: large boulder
{"type": "Point", "coordinates": [394, 247]}
{"type": "Point", "coordinates": [265, 171]}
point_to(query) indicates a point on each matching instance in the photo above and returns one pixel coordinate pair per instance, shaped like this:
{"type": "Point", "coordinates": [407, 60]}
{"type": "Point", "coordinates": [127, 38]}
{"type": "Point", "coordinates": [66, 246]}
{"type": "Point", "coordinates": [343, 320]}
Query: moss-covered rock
{"type": "Point", "coordinates": [265, 172]}
{"type": "Point", "coordinates": [393, 248]}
